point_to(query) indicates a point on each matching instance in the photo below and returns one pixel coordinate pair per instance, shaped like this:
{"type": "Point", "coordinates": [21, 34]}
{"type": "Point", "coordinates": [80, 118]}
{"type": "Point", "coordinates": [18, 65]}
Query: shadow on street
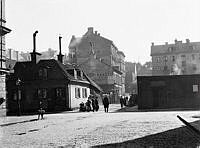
{"type": "Point", "coordinates": [7, 124]}
{"type": "Point", "coordinates": [179, 137]}
{"type": "Point", "coordinates": [135, 109]}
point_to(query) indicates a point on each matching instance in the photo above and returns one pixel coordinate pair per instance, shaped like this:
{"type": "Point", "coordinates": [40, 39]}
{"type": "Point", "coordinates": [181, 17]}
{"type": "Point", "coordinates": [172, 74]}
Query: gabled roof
{"type": "Point", "coordinates": [24, 70]}
{"type": "Point", "coordinates": [92, 83]}
{"type": "Point", "coordinates": [74, 41]}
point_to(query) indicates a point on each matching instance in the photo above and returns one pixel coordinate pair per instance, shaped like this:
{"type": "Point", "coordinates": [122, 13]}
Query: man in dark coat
{"type": "Point", "coordinates": [121, 101]}
{"type": "Point", "coordinates": [96, 104]}
{"type": "Point", "coordinates": [93, 105]}
{"type": "Point", "coordinates": [106, 103]}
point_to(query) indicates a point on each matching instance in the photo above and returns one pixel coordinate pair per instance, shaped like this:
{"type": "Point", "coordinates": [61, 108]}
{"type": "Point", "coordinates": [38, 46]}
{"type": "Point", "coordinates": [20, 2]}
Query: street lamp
{"type": "Point", "coordinates": [18, 83]}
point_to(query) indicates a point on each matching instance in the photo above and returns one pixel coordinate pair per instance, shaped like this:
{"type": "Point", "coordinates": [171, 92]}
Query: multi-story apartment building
{"type": "Point", "coordinates": [131, 77]}
{"type": "Point", "coordinates": [176, 59]}
{"type": "Point", "coordinates": [3, 32]}
{"type": "Point", "coordinates": [92, 48]}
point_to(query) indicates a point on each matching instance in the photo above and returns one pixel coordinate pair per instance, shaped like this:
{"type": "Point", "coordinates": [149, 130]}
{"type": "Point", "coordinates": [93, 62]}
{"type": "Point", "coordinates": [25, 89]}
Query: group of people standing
{"type": "Point", "coordinates": [92, 104]}
{"type": "Point", "coordinates": [123, 101]}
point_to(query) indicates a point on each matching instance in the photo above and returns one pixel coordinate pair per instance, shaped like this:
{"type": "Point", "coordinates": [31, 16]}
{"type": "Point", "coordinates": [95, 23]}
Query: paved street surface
{"type": "Point", "coordinates": [84, 129]}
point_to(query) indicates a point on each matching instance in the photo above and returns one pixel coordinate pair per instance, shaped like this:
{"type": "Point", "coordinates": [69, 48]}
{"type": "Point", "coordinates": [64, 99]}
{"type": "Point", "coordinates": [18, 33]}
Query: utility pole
{"type": "Point", "coordinates": [18, 83]}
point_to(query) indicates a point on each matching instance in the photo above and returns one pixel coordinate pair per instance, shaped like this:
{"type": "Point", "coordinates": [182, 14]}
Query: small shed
{"type": "Point", "coordinates": [169, 92]}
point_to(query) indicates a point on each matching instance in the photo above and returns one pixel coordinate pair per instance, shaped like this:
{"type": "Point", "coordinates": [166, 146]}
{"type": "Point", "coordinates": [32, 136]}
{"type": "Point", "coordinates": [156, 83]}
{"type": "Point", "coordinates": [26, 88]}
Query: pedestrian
{"type": "Point", "coordinates": [106, 103]}
{"type": "Point", "coordinates": [93, 105]}
{"type": "Point", "coordinates": [96, 103]}
{"type": "Point", "coordinates": [126, 100]}
{"type": "Point", "coordinates": [88, 107]}
{"type": "Point", "coordinates": [41, 111]}
{"type": "Point", "coordinates": [121, 101]}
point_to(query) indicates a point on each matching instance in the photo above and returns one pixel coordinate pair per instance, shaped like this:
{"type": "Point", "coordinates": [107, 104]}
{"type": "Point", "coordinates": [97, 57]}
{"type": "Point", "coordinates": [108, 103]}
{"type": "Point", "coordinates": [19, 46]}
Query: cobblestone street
{"type": "Point", "coordinates": [83, 129]}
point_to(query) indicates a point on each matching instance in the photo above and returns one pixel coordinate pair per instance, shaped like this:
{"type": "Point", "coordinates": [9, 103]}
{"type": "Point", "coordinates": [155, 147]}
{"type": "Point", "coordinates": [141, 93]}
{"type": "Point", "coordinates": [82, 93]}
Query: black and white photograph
{"type": "Point", "coordinates": [99, 74]}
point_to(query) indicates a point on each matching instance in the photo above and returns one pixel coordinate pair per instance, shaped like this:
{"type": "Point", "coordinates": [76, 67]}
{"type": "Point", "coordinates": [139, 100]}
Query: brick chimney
{"type": "Point", "coordinates": [10, 53]}
{"type": "Point", "coordinates": [187, 41]}
{"type": "Point", "coordinates": [17, 55]}
{"type": "Point", "coordinates": [90, 30]}
{"type": "Point", "coordinates": [60, 56]}
{"type": "Point", "coordinates": [34, 53]}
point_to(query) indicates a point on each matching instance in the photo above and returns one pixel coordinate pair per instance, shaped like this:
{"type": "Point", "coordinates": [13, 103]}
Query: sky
{"type": "Point", "coordinates": [131, 24]}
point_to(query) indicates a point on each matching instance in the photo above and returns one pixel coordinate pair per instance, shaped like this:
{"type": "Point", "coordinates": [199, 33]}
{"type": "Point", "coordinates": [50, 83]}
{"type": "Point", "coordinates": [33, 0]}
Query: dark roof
{"type": "Point", "coordinates": [120, 52]}
{"type": "Point", "coordinates": [24, 70]}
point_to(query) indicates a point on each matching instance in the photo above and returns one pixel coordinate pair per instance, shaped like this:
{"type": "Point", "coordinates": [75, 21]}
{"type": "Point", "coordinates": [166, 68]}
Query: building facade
{"type": "Point", "coordinates": [49, 84]}
{"type": "Point", "coordinates": [131, 78]}
{"type": "Point", "coordinates": [3, 31]}
{"type": "Point", "coordinates": [176, 59]}
{"type": "Point", "coordinates": [57, 86]}
{"type": "Point", "coordinates": [83, 51]}
{"type": "Point", "coordinates": [169, 92]}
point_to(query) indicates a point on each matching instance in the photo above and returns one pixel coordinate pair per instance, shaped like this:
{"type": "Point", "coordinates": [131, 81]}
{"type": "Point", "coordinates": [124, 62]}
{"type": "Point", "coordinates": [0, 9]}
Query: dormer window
{"type": "Point", "coordinates": [80, 73]}
{"type": "Point", "coordinates": [75, 74]}
{"type": "Point", "coordinates": [42, 73]}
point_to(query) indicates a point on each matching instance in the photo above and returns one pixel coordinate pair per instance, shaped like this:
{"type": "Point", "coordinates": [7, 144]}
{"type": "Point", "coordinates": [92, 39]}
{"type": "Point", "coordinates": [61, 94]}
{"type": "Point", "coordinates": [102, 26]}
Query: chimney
{"type": "Point", "coordinates": [187, 41]}
{"type": "Point", "coordinates": [166, 43]}
{"type": "Point", "coordinates": [90, 29]}
{"type": "Point", "coordinates": [98, 34]}
{"type": "Point", "coordinates": [175, 41]}
{"type": "Point", "coordinates": [95, 32]}
{"type": "Point", "coordinates": [10, 53]}
{"type": "Point", "coordinates": [73, 37]}
{"type": "Point", "coordinates": [60, 56]}
{"type": "Point", "coordinates": [152, 44]}
{"type": "Point", "coordinates": [17, 55]}
{"type": "Point", "coordinates": [34, 53]}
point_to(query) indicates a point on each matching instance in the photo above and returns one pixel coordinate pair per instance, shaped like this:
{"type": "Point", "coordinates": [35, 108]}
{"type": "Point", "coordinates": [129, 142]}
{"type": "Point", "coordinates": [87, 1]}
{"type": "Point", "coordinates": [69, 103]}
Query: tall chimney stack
{"type": "Point", "coordinates": [34, 41]}
{"type": "Point", "coordinates": [34, 53]}
{"type": "Point", "coordinates": [60, 56]}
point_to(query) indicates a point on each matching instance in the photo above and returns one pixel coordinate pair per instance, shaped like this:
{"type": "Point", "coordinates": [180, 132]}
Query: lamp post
{"type": "Point", "coordinates": [18, 83]}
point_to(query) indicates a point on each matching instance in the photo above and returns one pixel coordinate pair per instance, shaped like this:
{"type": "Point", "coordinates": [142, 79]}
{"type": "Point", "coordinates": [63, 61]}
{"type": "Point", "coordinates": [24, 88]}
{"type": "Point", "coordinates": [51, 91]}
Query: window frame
{"type": "Point", "coordinates": [77, 92]}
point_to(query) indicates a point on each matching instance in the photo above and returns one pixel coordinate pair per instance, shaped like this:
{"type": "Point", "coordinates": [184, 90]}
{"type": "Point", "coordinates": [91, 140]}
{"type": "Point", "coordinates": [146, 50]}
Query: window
{"type": "Point", "coordinates": [194, 67]}
{"type": "Point", "coordinates": [184, 63]}
{"type": "Point", "coordinates": [60, 92]}
{"type": "Point", "coordinates": [157, 59]}
{"type": "Point", "coordinates": [193, 57]}
{"type": "Point", "coordinates": [75, 74]}
{"type": "Point", "coordinates": [183, 56]}
{"type": "Point", "coordinates": [170, 49]}
{"type": "Point", "coordinates": [42, 93]}
{"type": "Point", "coordinates": [191, 47]}
{"type": "Point", "coordinates": [165, 58]}
{"type": "Point", "coordinates": [42, 73]}
{"type": "Point", "coordinates": [173, 58]}
{"type": "Point", "coordinates": [84, 92]}
{"type": "Point", "coordinates": [77, 92]}
{"type": "Point", "coordinates": [195, 88]}
{"type": "Point", "coordinates": [165, 68]}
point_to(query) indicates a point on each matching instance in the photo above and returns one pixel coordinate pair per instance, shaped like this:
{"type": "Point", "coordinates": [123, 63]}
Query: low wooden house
{"type": "Point", "coordinates": [49, 84]}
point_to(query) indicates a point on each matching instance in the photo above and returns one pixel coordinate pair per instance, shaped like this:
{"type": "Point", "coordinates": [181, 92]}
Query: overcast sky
{"type": "Point", "coordinates": [131, 24]}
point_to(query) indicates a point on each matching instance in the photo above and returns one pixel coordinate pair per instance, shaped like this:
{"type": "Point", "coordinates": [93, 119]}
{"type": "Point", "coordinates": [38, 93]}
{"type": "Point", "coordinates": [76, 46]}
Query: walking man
{"type": "Point", "coordinates": [121, 101]}
{"type": "Point", "coordinates": [96, 104]}
{"type": "Point", "coordinates": [106, 103]}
